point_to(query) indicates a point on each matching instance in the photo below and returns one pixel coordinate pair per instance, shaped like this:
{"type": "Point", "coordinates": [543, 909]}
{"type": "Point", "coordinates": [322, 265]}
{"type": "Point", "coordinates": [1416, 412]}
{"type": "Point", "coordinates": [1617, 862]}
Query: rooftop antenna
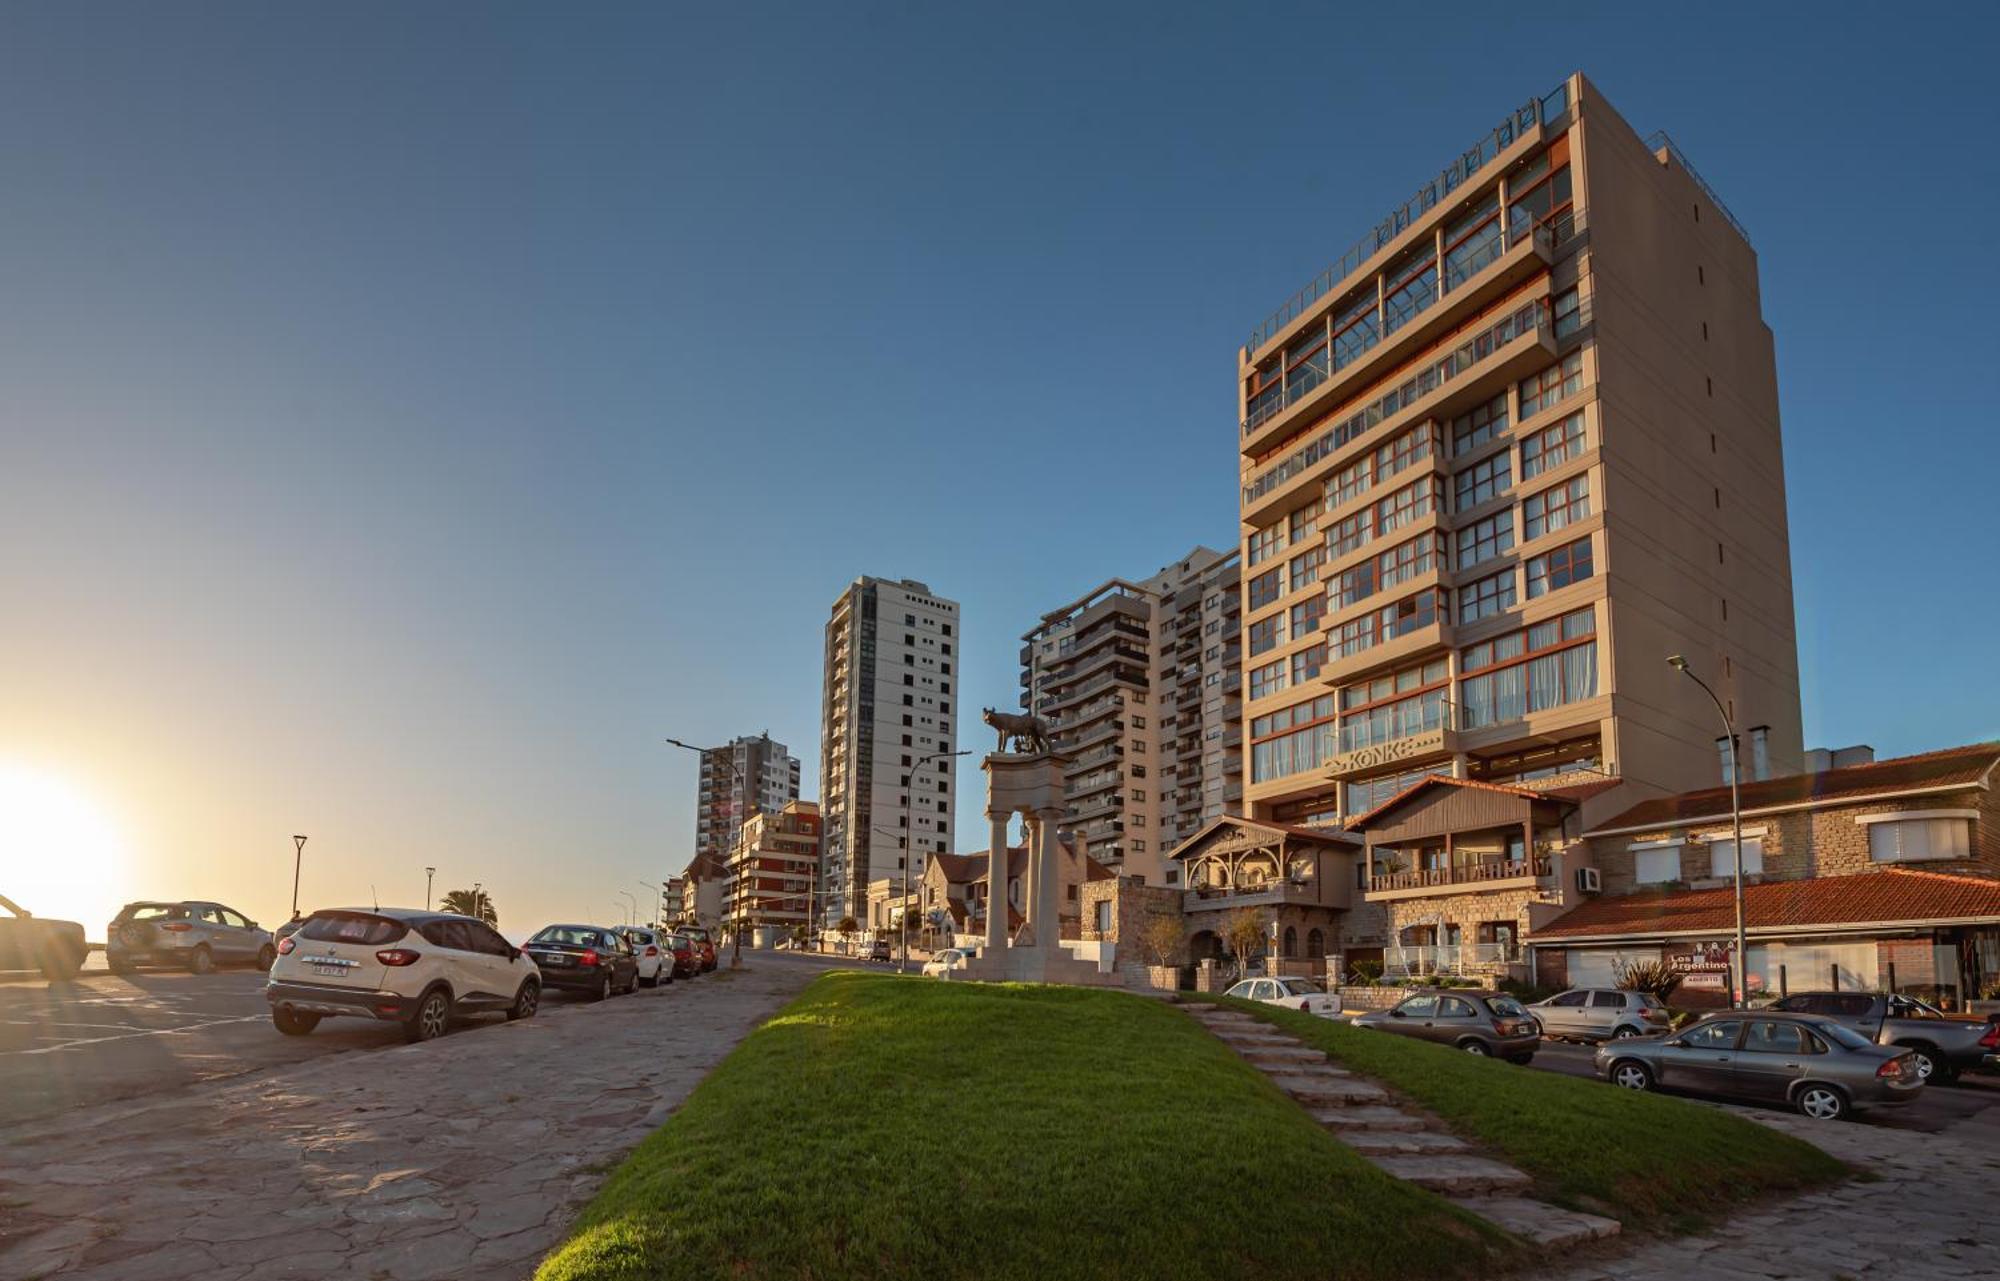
{"type": "Point", "coordinates": [373, 897]}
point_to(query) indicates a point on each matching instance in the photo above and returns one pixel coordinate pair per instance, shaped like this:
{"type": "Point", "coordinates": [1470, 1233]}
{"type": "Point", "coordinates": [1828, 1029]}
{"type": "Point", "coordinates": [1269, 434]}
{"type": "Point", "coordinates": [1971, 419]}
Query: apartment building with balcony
{"type": "Point", "coordinates": [753, 775]}
{"type": "Point", "coordinates": [1517, 447]}
{"type": "Point", "coordinates": [1141, 682]}
{"type": "Point", "coordinates": [771, 870]}
{"type": "Point", "coordinates": [888, 725]}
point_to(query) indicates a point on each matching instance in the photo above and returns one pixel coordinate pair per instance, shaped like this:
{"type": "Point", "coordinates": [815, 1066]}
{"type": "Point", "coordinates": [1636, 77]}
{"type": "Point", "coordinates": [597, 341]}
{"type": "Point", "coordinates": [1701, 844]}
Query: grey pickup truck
{"type": "Point", "coordinates": [1944, 1044]}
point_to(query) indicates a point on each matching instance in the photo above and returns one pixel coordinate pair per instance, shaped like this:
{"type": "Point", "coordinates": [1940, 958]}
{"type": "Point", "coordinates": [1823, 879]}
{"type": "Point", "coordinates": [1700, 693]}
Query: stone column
{"type": "Point", "coordinates": [1047, 857]}
{"type": "Point", "coordinates": [1031, 875]}
{"type": "Point", "coordinates": [996, 887]}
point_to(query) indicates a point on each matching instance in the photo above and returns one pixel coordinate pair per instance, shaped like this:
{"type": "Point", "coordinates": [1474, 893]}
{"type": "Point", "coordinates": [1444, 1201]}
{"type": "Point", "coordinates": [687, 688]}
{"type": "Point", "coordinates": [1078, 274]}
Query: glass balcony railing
{"type": "Point", "coordinates": [1518, 123]}
{"type": "Point", "coordinates": [1532, 318]}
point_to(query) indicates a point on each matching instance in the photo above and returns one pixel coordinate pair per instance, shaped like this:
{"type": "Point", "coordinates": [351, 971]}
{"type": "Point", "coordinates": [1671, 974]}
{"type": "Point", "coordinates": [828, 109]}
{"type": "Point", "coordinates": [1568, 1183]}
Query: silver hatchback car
{"type": "Point", "coordinates": [1816, 1065]}
{"type": "Point", "coordinates": [196, 935]}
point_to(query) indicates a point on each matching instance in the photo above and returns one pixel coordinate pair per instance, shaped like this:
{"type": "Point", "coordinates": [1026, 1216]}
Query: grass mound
{"type": "Point", "coordinates": [1647, 1159]}
{"type": "Point", "coordinates": [886, 1127]}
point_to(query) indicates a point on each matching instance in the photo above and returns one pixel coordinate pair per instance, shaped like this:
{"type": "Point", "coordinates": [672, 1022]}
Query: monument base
{"type": "Point", "coordinates": [1037, 965]}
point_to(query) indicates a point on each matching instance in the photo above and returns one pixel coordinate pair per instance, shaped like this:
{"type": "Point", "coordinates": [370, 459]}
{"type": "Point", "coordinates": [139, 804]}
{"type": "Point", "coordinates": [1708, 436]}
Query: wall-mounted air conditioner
{"type": "Point", "coordinates": [1588, 881]}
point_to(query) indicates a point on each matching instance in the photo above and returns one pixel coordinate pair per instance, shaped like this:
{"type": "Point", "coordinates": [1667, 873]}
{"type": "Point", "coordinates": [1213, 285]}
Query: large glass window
{"type": "Point", "coordinates": [1486, 597]}
{"type": "Point", "coordinates": [1552, 446]}
{"type": "Point", "coordinates": [1479, 425]}
{"type": "Point", "coordinates": [1412, 287]}
{"type": "Point", "coordinates": [1412, 447]}
{"type": "Point", "coordinates": [1305, 522]}
{"type": "Point", "coordinates": [1406, 506]}
{"type": "Point", "coordinates": [1355, 329]}
{"type": "Point", "coordinates": [1360, 797]}
{"type": "Point", "coordinates": [1552, 509]}
{"type": "Point", "coordinates": [1539, 192]}
{"type": "Point", "coordinates": [1305, 567]}
{"type": "Point", "coordinates": [1291, 739]}
{"type": "Point", "coordinates": [1347, 484]}
{"type": "Point", "coordinates": [1408, 560]}
{"type": "Point", "coordinates": [1305, 362]}
{"type": "Point", "coordinates": [1558, 567]}
{"type": "Point", "coordinates": [1472, 242]}
{"type": "Point", "coordinates": [1388, 623]}
{"type": "Point", "coordinates": [1263, 589]}
{"type": "Point", "coordinates": [1486, 479]}
{"type": "Point", "coordinates": [1482, 540]}
{"type": "Point", "coordinates": [1307, 662]}
{"type": "Point", "coordinates": [1395, 706]}
{"type": "Point", "coordinates": [1346, 535]}
{"type": "Point", "coordinates": [1264, 543]}
{"type": "Point", "coordinates": [1306, 615]}
{"type": "Point", "coordinates": [1264, 633]}
{"type": "Point", "coordinates": [1568, 313]}
{"type": "Point", "coordinates": [1557, 383]}
{"type": "Point", "coordinates": [1546, 665]}
{"type": "Point", "coordinates": [1268, 679]}
{"type": "Point", "coordinates": [1919, 839]}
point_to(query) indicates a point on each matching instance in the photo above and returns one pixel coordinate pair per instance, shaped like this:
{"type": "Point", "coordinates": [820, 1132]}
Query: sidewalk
{"type": "Point", "coordinates": [466, 1156]}
{"type": "Point", "coordinates": [1926, 1216]}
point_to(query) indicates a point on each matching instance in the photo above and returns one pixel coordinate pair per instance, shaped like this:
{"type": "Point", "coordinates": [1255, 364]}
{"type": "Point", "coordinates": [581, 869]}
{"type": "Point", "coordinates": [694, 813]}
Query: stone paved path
{"type": "Point", "coordinates": [463, 1157]}
{"type": "Point", "coordinates": [1405, 1143]}
{"type": "Point", "coordinates": [1929, 1215]}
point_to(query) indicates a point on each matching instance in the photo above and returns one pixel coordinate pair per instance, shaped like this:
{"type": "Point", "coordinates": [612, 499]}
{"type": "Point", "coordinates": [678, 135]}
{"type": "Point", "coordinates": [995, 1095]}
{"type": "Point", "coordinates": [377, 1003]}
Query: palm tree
{"type": "Point", "coordinates": [474, 903]}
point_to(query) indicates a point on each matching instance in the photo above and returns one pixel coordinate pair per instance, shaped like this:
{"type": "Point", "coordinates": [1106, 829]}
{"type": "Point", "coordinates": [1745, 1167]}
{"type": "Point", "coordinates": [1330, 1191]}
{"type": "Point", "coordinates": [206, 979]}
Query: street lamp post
{"type": "Point", "coordinates": [298, 857]}
{"type": "Point", "coordinates": [656, 902]}
{"type": "Point", "coordinates": [430, 875]}
{"type": "Point", "coordinates": [631, 911]}
{"type": "Point", "coordinates": [909, 851]}
{"type": "Point", "coordinates": [1740, 997]}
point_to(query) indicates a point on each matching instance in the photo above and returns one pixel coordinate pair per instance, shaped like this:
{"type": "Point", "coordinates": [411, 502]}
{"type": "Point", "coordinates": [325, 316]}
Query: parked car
{"type": "Point", "coordinates": [1945, 1044]}
{"type": "Point", "coordinates": [1293, 994]}
{"type": "Point", "coordinates": [1478, 1022]}
{"type": "Point", "coordinates": [1823, 1068]}
{"type": "Point", "coordinates": [655, 966]}
{"type": "Point", "coordinates": [30, 942]}
{"type": "Point", "coordinates": [196, 935]}
{"type": "Point", "coordinates": [704, 945]}
{"type": "Point", "coordinates": [943, 963]}
{"type": "Point", "coordinates": [397, 965]}
{"type": "Point", "coordinates": [879, 951]}
{"type": "Point", "coordinates": [686, 962]}
{"type": "Point", "coordinates": [1600, 1014]}
{"type": "Point", "coordinates": [590, 959]}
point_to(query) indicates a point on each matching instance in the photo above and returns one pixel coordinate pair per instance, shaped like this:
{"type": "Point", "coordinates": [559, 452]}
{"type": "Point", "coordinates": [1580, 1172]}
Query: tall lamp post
{"type": "Point", "coordinates": [909, 852]}
{"type": "Point", "coordinates": [298, 857]}
{"type": "Point", "coordinates": [430, 875]}
{"type": "Point", "coordinates": [633, 910]}
{"type": "Point", "coordinates": [736, 953]}
{"type": "Point", "coordinates": [655, 922]}
{"type": "Point", "coordinates": [1739, 998]}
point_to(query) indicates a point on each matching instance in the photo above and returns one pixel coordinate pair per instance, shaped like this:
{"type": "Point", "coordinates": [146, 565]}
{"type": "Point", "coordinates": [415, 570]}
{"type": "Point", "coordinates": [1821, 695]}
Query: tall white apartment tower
{"type": "Point", "coordinates": [890, 703]}
{"type": "Point", "coordinates": [753, 775]}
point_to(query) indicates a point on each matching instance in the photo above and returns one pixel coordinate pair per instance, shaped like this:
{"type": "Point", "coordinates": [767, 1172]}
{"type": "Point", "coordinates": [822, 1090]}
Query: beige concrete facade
{"type": "Point", "coordinates": [1142, 683]}
{"type": "Point", "coordinates": [753, 775]}
{"type": "Point", "coordinates": [1519, 447]}
{"type": "Point", "coordinates": [772, 868]}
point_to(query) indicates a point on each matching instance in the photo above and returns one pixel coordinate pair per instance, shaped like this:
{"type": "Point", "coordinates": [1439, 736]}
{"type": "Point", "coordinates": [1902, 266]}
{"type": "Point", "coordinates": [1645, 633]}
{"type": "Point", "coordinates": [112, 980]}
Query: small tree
{"type": "Point", "coordinates": [1243, 931]}
{"type": "Point", "coordinates": [473, 903]}
{"type": "Point", "coordinates": [1160, 940]}
{"type": "Point", "coordinates": [847, 924]}
{"type": "Point", "coordinates": [1653, 977]}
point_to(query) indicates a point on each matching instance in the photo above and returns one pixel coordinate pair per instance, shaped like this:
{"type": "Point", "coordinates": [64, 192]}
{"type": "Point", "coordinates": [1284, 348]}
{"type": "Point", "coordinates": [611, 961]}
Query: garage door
{"type": "Point", "coordinates": [1598, 967]}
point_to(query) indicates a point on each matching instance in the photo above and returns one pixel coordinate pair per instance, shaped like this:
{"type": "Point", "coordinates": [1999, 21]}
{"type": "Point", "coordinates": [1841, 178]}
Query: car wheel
{"type": "Point", "coordinates": [292, 1022]}
{"type": "Point", "coordinates": [267, 956]}
{"type": "Point", "coordinates": [1822, 1103]}
{"type": "Point", "coordinates": [526, 1001]}
{"type": "Point", "coordinates": [1623, 1033]}
{"type": "Point", "coordinates": [1931, 1067]}
{"type": "Point", "coordinates": [1472, 1045]}
{"type": "Point", "coordinates": [603, 989]}
{"type": "Point", "coordinates": [432, 1017]}
{"type": "Point", "coordinates": [1628, 1074]}
{"type": "Point", "coordinates": [201, 960]}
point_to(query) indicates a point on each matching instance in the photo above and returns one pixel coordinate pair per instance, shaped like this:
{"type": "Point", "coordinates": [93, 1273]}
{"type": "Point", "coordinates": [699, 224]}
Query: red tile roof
{"type": "Point", "coordinates": [1953, 767]}
{"type": "Point", "coordinates": [1891, 895]}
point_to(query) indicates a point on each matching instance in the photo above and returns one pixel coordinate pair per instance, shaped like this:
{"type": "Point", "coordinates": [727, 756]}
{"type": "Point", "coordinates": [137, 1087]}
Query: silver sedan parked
{"type": "Point", "coordinates": [1823, 1069]}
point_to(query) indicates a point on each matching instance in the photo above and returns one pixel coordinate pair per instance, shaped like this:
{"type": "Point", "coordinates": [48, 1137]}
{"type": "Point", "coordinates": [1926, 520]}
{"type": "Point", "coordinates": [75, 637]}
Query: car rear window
{"type": "Point", "coordinates": [573, 935]}
{"type": "Point", "coordinates": [1506, 1007]}
{"type": "Point", "coordinates": [1842, 1035]}
{"type": "Point", "coordinates": [352, 927]}
{"type": "Point", "coordinates": [1303, 987]}
{"type": "Point", "coordinates": [156, 912]}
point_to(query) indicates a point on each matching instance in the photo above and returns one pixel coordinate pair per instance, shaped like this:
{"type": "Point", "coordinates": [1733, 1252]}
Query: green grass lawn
{"type": "Point", "coordinates": [891, 1127]}
{"type": "Point", "coordinates": [1647, 1159]}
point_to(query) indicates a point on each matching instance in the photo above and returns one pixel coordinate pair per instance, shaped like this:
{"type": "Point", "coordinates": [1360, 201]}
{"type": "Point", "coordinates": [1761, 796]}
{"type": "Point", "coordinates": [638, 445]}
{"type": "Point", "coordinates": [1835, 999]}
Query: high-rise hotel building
{"type": "Point", "coordinates": [1515, 449]}
{"type": "Point", "coordinates": [888, 725]}
{"type": "Point", "coordinates": [1142, 684]}
{"type": "Point", "coordinates": [753, 775]}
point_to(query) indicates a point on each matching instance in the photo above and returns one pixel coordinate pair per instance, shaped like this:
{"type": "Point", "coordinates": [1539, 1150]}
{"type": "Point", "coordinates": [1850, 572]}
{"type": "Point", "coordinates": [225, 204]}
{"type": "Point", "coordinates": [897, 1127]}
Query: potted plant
{"type": "Point", "coordinates": [1160, 943]}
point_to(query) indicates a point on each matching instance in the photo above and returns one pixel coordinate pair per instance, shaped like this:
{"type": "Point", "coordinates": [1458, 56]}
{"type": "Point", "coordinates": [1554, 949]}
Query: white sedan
{"type": "Point", "coordinates": [941, 965]}
{"type": "Point", "coordinates": [1293, 994]}
{"type": "Point", "coordinates": [655, 963]}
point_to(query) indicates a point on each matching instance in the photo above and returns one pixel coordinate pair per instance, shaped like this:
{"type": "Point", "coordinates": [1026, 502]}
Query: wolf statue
{"type": "Point", "coordinates": [1029, 732]}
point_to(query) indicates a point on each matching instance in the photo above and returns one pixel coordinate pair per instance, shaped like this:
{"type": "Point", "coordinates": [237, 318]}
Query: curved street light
{"type": "Point", "coordinates": [1739, 998]}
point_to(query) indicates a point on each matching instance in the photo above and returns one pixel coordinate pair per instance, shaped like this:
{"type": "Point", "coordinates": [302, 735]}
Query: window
{"type": "Point", "coordinates": [1409, 504]}
{"type": "Point", "coordinates": [1264, 634]}
{"type": "Point", "coordinates": [1291, 739]}
{"type": "Point", "coordinates": [1470, 430]}
{"type": "Point", "coordinates": [1356, 328]}
{"type": "Point", "coordinates": [1656, 864]}
{"type": "Point", "coordinates": [1264, 589]}
{"type": "Point", "coordinates": [1770, 1036]}
{"type": "Point", "coordinates": [1406, 450]}
{"type": "Point", "coordinates": [1396, 706]}
{"type": "Point", "coordinates": [1486, 479]}
{"type": "Point", "coordinates": [1305, 566]}
{"type": "Point", "coordinates": [1559, 568]}
{"type": "Point", "coordinates": [1472, 242]}
{"type": "Point", "coordinates": [1265, 543]}
{"type": "Point", "coordinates": [1552, 509]}
{"type": "Point", "coordinates": [1720, 1035]}
{"type": "Point", "coordinates": [1350, 533]}
{"type": "Point", "coordinates": [1102, 922]}
{"type": "Point", "coordinates": [1268, 679]}
{"type": "Point", "coordinates": [1552, 446]}
{"type": "Point", "coordinates": [1486, 597]}
{"type": "Point", "coordinates": [1557, 383]}
{"type": "Point", "coordinates": [1306, 615]}
{"type": "Point", "coordinates": [1365, 795]}
{"type": "Point", "coordinates": [1538, 194]}
{"type": "Point", "coordinates": [1305, 522]}
{"type": "Point", "coordinates": [1570, 1000]}
{"type": "Point", "coordinates": [1912, 840]}
{"type": "Point", "coordinates": [1305, 362]}
{"type": "Point", "coordinates": [1307, 662]}
{"type": "Point", "coordinates": [1569, 313]}
{"type": "Point", "coordinates": [1546, 665]}
{"type": "Point", "coordinates": [1411, 287]}
{"type": "Point", "coordinates": [1347, 484]}
{"type": "Point", "coordinates": [1388, 623]}
{"type": "Point", "coordinates": [1483, 540]}
{"type": "Point", "coordinates": [1722, 856]}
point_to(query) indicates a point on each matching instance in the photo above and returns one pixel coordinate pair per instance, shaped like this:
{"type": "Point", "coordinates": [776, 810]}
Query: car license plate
{"type": "Point", "coordinates": [551, 958]}
{"type": "Point", "coordinates": [337, 971]}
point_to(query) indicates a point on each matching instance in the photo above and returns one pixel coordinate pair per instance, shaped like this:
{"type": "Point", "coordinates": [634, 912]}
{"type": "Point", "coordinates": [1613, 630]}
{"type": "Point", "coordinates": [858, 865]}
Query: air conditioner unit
{"type": "Point", "coordinates": [1588, 881]}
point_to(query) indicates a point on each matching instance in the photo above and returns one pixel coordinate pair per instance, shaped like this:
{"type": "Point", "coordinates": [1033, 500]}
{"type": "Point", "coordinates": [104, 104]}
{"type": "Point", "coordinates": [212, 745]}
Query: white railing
{"type": "Point", "coordinates": [1448, 958]}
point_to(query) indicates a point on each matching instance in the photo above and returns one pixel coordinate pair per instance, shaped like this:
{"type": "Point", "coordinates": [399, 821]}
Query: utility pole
{"type": "Point", "coordinates": [1740, 997]}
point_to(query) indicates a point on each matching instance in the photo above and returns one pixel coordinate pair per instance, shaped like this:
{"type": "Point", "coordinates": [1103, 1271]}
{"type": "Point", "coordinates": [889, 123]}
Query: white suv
{"type": "Point", "coordinates": [398, 965]}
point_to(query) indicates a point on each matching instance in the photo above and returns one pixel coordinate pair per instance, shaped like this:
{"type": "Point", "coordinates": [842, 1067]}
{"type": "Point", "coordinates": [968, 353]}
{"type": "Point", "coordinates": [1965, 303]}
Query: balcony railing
{"type": "Point", "coordinates": [1473, 874]}
{"type": "Point", "coordinates": [1449, 958]}
{"type": "Point", "coordinates": [1532, 318]}
{"type": "Point", "coordinates": [1518, 123]}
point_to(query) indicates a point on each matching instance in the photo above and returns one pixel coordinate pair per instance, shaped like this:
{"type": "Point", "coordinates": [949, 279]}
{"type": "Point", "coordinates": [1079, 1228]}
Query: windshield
{"type": "Point", "coordinates": [1505, 1006]}
{"type": "Point", "coordinates": [1908, 1007]}
{"type": "Point", "coordinates": [1303, 987]}
{"type": "Point", "coordinates": [573, 935]}
{"type": "Point", "coordinates": [1842, 1035]}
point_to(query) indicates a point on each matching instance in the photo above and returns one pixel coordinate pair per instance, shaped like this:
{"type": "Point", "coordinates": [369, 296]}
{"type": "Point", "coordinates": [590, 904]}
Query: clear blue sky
{"type": "Point", "coordinates": [409, 414]}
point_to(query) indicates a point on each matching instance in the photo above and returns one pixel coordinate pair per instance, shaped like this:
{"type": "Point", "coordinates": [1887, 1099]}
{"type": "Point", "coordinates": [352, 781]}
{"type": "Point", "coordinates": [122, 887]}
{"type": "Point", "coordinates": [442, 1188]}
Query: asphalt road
{"type": "Point", "coordinates": [104, 1037]}
{"type": "Point", "coordinates": [1966, 1107]}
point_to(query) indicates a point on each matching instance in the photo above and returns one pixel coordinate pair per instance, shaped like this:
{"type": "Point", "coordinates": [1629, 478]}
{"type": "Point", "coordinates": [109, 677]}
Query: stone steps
{"type": "Point", "coordinates": [1363, 1118]}
{"type": "Point", "coordinates": [1330, 1091]}
{"type": "Point", "coordinates": [1402, 1142]}
{"type": "Point", "coordinates": [1452, 1173]}
{"type": "Point", "coordinates": [1538, 1222]}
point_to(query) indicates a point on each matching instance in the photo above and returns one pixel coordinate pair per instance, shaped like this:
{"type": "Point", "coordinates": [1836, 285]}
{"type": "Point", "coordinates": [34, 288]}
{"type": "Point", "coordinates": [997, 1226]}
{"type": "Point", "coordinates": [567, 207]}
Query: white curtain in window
{"type": "Point", "coordinates": [1722, 856]}
{"type": "Point", "coordinates": [1913, 840]}
{"type": "Point", "coordinates": [1544, 682]}
{"type": "Point", "coordinates": [1510, 693]}
{"type": "Point", "coordinates": [1579, 673]}
{"type": "Point", "coordinates": [1651, 866]}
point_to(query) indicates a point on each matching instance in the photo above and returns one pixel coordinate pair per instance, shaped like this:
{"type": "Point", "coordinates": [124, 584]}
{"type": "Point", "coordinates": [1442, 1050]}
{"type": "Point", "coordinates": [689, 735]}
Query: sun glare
{"type": "Point", "coordinates": [61, 853]}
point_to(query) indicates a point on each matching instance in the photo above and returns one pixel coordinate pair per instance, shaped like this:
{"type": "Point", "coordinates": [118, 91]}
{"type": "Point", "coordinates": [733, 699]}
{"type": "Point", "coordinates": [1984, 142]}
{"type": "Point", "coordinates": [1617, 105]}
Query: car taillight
{"type": "Point", "coordinates": [1892, 1067]}
{"type": "Point", "coordinates": [588, 958]}
{"type": "Point", "coordinates": [177, 927]}
{"type": "Point", "coordinates": [1653, 1016]}
{"type": "Point", "coordinates": [652, 951]}
{"type": "Point", "coordinates": [398, 956]}
{"type": "Point", "coordinates": [285, 945]}
{"type": "Point", "coordinates": [1991, 1041]}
